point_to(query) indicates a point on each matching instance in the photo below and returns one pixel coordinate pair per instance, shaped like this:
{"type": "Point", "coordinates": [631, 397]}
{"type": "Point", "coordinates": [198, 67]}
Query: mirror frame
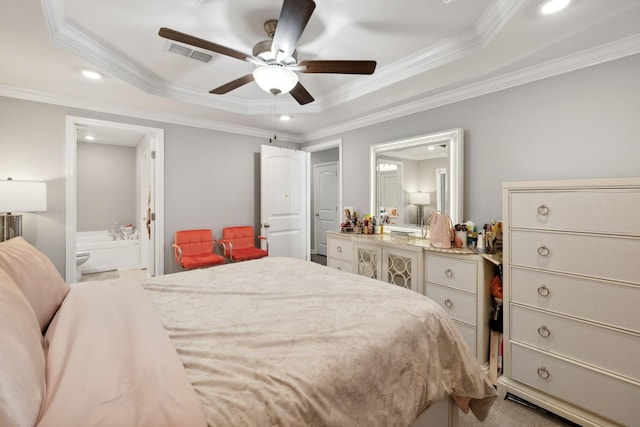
{"type": "Point", "coordinates": [454, 138]}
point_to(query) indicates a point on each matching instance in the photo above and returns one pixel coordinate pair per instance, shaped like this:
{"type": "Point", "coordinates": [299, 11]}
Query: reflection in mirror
{"type": "Point", "coordinates": [413, 177]}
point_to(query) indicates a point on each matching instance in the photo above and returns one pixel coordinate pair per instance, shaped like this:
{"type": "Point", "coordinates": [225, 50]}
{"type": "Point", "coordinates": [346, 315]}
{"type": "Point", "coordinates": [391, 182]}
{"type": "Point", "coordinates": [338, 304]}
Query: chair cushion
{"type": "Point", "coordinates": [195, 242]}
{"type": "Point", "coordinates": [204, 260]}
{"type": "Point", "coordinates": [241, 237]}
{"type": "Point", "coordinates": [248, 253]}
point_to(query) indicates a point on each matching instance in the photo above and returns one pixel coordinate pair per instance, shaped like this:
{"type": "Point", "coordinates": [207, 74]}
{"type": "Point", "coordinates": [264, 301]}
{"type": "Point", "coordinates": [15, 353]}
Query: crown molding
{"type": "Point", "coordinates": [587, 58]}
{"type": "Point", "coordinates": [495, 17]}
{"type": "Point", "coordinates": [74, 38]}
{"type": "Point", "coordinates": [101, 107]}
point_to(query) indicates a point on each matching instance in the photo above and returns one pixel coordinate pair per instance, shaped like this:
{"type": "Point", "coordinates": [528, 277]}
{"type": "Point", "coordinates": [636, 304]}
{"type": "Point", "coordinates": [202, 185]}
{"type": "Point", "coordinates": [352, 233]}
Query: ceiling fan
{"type": "Point", "coordinates": [276, 59]}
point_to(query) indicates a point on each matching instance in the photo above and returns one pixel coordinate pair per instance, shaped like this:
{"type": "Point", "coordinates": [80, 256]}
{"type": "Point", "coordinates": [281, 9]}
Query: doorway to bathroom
{"type": "Point", "coordinates": [115, 188]}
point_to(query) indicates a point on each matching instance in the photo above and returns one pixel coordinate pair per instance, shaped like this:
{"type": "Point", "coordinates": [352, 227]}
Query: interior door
{"type": "Point", "coordinates": [284, 201]}
{"type": "Point", "coordinates": [325, 203]}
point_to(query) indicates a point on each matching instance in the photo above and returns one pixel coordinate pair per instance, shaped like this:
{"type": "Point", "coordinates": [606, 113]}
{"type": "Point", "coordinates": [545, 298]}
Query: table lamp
{"type": "Point", "coordinates": [19, 196]}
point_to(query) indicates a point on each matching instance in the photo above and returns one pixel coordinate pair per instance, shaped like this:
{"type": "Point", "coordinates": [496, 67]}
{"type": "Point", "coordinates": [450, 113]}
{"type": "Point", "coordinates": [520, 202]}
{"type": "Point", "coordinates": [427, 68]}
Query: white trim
{"type": "Point", "coordinates": [157, 143]}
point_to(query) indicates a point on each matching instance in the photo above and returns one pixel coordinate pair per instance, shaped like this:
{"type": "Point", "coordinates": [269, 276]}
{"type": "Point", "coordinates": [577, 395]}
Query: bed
{"type": "Point", "coordinates": [271, 342]}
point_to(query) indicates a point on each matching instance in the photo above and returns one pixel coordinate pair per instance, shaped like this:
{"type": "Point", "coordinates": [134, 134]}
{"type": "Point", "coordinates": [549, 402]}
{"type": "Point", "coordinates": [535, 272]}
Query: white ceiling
{"type": "Point", "coordinates": [429, 53]}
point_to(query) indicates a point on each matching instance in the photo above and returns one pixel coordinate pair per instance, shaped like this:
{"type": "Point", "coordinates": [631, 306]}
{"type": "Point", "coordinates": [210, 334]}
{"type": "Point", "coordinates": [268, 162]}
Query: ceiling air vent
{"type": "Point", "coordinates": [189, 53]}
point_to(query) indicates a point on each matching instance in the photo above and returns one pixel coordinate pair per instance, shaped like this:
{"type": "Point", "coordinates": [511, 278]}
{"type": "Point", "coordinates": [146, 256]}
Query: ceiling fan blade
{"type": "Point", "coordinates": [170, 34]}
{"type": "Point", "coordinates": [338, 67]}
{"type": "Point", "coordinates": [293, 19]}
{"type": "Point", "coordinates": [234, 84]}
{"type": "Point", "coordinates": [301, 95]}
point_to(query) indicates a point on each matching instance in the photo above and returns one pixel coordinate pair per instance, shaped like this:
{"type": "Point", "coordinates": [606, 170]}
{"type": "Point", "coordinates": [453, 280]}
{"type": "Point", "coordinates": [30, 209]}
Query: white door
{"type": "Point", "coordinates": [325, 203]}
{"type": "Point", "coordinates": [284, 200]}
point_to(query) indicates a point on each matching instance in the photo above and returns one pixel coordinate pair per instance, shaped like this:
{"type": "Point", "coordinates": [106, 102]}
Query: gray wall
{"type": "Point", "coordinates": [582, 124]}
{"type": "Point", "coordinates": [32, 148]}
{"type": "Point", "coordinates": [106, 179]}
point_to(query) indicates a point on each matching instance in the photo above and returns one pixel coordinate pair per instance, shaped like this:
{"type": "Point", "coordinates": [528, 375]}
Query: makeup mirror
{"type": "Point", "coordinates": [412, 177]}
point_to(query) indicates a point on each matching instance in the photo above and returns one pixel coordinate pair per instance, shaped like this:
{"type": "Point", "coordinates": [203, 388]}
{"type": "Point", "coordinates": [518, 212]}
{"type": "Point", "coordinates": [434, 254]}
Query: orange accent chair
{"type": "Point", "coordinates": [238, 244]}
{"type": "Point", "coordinates": [195, 249]}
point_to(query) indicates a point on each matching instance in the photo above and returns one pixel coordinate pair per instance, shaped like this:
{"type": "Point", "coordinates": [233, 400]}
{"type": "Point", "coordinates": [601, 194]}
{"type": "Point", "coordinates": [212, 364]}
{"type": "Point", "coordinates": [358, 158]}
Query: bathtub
{"type": "Point", "coordinates": [107, 254]}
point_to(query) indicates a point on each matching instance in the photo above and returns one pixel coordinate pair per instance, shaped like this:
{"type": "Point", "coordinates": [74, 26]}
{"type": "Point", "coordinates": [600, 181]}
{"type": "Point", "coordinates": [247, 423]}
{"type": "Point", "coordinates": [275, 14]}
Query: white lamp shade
{"type": "Point", "coordinates": [23, 196]}
{"type": "Point", "coordinates": [275, 79]}
{"type": "Point", "coordinates": [420, 198]}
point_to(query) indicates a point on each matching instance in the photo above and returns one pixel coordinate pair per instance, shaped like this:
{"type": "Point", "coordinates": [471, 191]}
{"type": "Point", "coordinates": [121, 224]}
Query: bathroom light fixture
{"type": "Point", "coordinates": [19, 196]}
{"type": "Point", "coordinates": [285, 118]}
{"type": "Point", "coordinates": [274, 78]}
{"type": "Point", "coordinates": [552, 6]}
{"type": "Point", "coordinates": [93, 75]}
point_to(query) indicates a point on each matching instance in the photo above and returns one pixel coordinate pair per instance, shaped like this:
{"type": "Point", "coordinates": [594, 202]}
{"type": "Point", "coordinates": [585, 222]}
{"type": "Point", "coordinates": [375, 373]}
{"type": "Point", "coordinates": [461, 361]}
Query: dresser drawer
{"type": "Point", "coordinates": [340, 248]}
{"type": "Point", "coordinates": [459, 305]}
{"type": "Point", "coordinates": [578, 297]}
{"type": "Point", "coordinates": [607, 348]}
{"type": "Point", "coordinates": [607, 257]}
{"type": "Point", "coordinates": [468, 334]}
{"type": "Point", "coordinates": [340, 264]}
{"type": "Point", "coordinates": [593, 390]}
{"type": "Point", "coordinates": [589, 210]}
{"type": "Point", "coordinates": [452, 272]}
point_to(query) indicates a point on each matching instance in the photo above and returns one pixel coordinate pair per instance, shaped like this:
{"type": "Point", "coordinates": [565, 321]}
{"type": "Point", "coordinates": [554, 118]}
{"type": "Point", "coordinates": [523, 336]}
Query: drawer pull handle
{"type": "Point", "coordinates": [448, 303]}
{"type": "Point", "coordinates": [543, 331]}
{"type": "Point", "coordinates": [543, 209]}
{"type": "Point", "coordinates": [449, 273]}
{"type": "Point", "coordinates": [543, 291]}
{"type": "Point", "coordinates": [543, 373]}
{"type": "Point", "coordinates": [339, 249]}
{"type": "Point", "coordinates": [543, 251]}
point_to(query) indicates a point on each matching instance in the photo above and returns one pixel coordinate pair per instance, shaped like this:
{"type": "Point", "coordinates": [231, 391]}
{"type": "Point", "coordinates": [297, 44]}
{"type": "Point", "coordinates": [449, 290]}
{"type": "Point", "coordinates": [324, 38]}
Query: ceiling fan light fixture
{"type": "Point", "coordinates": [275, 79]}
{"type": "Point", "coordinates": [549, 7]}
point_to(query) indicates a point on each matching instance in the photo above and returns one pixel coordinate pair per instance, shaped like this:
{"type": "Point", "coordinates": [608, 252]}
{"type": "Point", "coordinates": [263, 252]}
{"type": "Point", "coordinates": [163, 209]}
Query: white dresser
{"type": "Point", "coordinates": [572, 298]}
{"type": "Point", "coordinates": [340, 252]}
{"type": "Point", "coordinates": [458, 280]}
{"type": "Point", "coordinates": [377, 256]}
{"type": "Point", "coordinates": [460, 284]}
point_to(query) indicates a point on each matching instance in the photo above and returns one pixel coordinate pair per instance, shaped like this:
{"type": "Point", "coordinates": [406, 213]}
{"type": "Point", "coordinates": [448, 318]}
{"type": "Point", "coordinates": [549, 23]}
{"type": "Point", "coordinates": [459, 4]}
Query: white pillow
{"type": "Point", "coordinates": [22, 361]}
{"type": "Point", "coordinates": [36, 276]}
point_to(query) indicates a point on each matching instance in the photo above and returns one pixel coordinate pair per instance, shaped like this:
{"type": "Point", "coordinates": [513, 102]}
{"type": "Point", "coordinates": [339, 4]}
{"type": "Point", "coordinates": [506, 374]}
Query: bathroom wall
{"type": "Point", "coordinates": [106, 185]}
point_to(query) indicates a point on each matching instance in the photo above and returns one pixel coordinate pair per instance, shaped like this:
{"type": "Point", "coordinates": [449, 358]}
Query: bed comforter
{"type": "Point", "coordinates": [284, 342]}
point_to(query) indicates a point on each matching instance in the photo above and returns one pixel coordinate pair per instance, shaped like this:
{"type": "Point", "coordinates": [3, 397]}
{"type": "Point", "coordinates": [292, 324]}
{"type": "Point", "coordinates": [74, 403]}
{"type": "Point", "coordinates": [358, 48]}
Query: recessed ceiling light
{"type": "Point", "coordinates": [285, 118]}
{"type": "Point", "coordinates": [90, 138]}
{"type": "Point", "coordinates": [552, 6]}
{"type": "Point", "coordinates": [93, 75]}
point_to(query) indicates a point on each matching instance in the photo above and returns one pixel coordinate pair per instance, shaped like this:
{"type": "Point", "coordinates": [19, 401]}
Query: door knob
{"type": "Point", "coordinates": [266, 225]}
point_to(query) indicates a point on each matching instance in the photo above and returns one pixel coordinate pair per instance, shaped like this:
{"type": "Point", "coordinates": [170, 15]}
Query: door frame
{"type": "Point", "coordinates": [156, 138]}
{"type": "Point", "coordinates": [321, 147]}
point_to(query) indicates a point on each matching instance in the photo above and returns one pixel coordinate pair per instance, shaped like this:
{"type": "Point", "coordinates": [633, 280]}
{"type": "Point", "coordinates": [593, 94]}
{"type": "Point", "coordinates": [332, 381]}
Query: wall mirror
{"type": "Point", "coordinates": [410, 178]}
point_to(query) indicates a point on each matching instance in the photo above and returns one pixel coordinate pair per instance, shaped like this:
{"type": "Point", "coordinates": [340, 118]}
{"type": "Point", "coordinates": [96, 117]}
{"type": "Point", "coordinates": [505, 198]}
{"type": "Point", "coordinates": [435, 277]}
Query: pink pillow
{"type": "Point", "coordinates": [36, 276]}
{"type": "Point", "coordinates": [22, 362]}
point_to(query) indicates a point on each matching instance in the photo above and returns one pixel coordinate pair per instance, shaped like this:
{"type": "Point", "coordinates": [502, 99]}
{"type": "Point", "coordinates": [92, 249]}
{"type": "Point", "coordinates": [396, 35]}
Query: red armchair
{"type": "Point", "coordinates": [194, 249]}
{"type": "Point", "coordinates": [238, 244]}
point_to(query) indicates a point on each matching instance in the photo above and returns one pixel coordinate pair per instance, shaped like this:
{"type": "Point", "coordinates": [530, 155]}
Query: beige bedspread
{"type": "Point", "coordinates": [285, 342]}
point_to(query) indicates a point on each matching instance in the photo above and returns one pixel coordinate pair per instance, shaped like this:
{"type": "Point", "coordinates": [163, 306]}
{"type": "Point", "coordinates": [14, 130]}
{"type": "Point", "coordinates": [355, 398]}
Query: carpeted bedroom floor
{"type": "Point", "coordinates": [510, 413]}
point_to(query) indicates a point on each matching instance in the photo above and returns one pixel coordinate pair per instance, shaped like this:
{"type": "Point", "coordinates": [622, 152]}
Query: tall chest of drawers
{"type": "Point", "coordinates": [572, 298]}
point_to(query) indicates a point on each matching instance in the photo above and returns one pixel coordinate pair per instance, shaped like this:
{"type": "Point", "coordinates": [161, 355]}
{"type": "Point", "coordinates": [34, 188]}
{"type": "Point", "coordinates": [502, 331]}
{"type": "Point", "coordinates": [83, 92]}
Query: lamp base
{"type": "Point", "coordinates": [10, 226]}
